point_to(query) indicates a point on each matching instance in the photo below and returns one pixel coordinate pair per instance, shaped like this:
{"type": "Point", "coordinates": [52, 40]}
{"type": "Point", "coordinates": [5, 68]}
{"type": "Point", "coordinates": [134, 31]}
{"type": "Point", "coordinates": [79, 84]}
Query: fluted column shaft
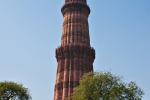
{"type": "Point", "coordinates": [75, 24]}
{"type": "Point", "coordinates": [75, 56]}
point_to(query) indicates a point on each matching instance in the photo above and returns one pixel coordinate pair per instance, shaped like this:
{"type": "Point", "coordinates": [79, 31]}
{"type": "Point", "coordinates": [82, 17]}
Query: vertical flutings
{"type": "Point", "coordinates": [75, 56]}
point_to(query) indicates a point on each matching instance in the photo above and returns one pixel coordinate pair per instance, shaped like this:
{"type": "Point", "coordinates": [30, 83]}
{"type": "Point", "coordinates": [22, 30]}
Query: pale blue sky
{"type": "Point", "coordinates": [30, 30]}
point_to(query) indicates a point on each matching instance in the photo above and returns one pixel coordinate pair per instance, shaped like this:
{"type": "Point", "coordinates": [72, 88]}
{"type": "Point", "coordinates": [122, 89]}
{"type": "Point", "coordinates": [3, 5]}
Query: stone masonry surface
{"type": "Point", "coordinates": [75, 56]}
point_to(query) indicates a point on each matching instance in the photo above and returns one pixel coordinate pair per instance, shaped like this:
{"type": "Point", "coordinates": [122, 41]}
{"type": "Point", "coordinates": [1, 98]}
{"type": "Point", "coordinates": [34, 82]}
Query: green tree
{"type": "Point", "coordinates": [13, 91]}
{"type": "Point", "coordinates": [106, 86]}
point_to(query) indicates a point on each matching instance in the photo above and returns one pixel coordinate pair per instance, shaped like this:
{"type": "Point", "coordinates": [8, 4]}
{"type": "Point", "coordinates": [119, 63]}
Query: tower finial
{"type": "Point", "coordinates": [83, 1]}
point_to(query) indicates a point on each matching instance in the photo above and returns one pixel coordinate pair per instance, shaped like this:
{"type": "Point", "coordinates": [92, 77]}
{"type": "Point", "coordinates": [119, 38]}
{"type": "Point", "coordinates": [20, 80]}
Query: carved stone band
{"type": "Point", "coordinates": [75, 51]}
{"type": "Point", "coordinates": [75, 7]}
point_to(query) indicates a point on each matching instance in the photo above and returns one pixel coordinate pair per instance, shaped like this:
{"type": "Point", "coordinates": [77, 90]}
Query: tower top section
{"type": "Point", "coordinates": [75, 5]}
{"type": "Point", "coordinates": [70, 1]}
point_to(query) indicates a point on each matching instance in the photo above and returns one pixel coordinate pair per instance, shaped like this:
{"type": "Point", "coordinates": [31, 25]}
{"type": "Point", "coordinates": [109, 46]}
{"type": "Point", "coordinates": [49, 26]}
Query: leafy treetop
{"type": "Point", "coordinates": [12, 90]}
{"type": "Point", "coordinates": [105, 86]}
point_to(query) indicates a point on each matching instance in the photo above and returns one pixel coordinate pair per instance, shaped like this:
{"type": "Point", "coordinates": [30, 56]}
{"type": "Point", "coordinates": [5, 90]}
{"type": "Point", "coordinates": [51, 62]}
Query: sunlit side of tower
{"type": "Point", "coordinates": [75, 56]}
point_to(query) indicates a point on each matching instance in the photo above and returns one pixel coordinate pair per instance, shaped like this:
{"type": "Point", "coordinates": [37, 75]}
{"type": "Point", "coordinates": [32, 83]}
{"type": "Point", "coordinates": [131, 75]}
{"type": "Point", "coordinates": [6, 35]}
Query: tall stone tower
{"type": "Point", "coordinates": [75, 56]}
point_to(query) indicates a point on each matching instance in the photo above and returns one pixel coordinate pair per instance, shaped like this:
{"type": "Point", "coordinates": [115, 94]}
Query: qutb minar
{"type": "Point", "coordinates": [75, 56]}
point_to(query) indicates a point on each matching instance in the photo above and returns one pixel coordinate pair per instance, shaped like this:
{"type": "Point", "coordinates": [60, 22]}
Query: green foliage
{"type": "Point", "coordinates": [13, 91]}
{"type": "Point", "coordinates": [67, 99]}
{"type": "Point", "coordinates": [106, 86]}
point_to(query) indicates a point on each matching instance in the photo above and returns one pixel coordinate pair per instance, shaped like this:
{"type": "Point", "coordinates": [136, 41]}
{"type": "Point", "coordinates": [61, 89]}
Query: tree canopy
{"type": "Point", "coordinates": [13, 91]}
{"type": "Point", "coordinates": [106, 86]}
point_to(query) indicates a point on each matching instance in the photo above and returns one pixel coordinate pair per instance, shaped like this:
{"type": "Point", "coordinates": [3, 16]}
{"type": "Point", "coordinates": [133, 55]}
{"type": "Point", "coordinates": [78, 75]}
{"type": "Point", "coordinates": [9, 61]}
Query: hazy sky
{"type": "Point", "coordinates": [30, 31]}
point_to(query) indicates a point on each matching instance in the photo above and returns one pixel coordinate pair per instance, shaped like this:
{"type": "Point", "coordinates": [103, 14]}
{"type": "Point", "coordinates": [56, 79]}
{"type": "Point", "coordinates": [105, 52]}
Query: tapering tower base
{"type": "Point", "coordinates": [73, 62]}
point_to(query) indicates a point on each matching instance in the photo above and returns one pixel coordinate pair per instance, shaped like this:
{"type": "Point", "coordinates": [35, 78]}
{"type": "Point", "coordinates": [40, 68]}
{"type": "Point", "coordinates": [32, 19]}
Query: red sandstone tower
{"type": "Point", "coordinates": [75, 56]}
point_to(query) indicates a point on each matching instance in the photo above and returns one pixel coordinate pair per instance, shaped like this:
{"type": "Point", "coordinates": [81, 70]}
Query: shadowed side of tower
{"type": "Point", "coordinates": [75, 56]}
